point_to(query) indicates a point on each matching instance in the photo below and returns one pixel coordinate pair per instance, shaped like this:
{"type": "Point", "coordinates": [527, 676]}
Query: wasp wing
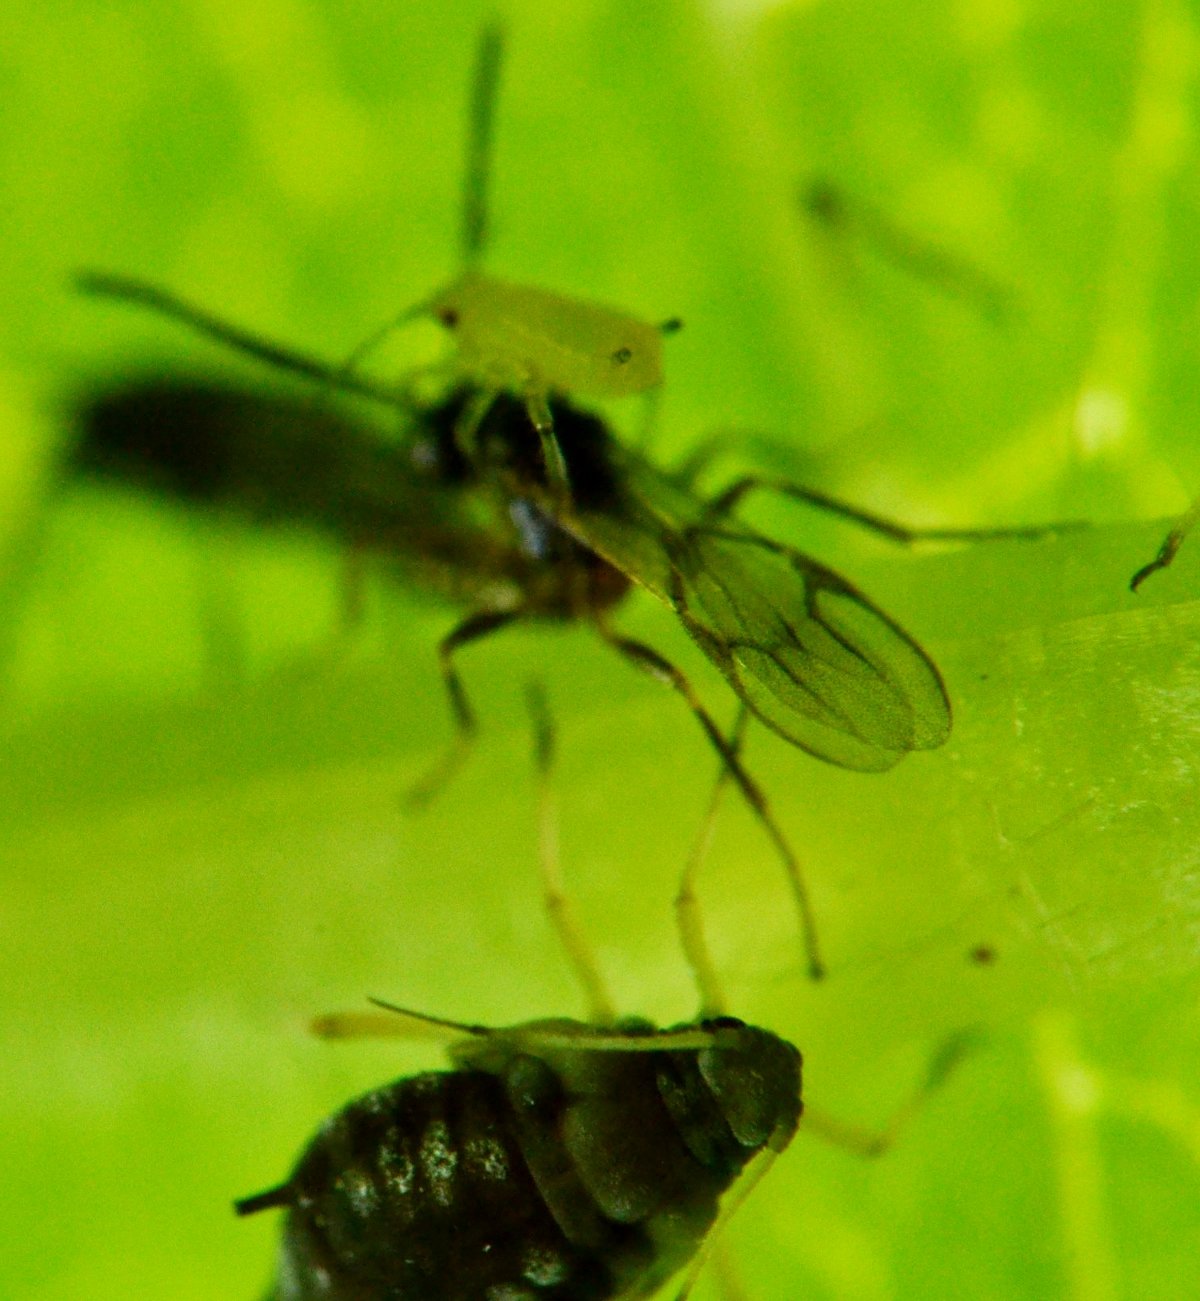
{"type": "Point", "coordinates": [809, 653]}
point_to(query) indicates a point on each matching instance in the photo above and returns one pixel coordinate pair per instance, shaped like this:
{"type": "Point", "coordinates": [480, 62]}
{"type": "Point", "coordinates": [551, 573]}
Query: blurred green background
{"type": "Point", "coordinates": [202, 842]}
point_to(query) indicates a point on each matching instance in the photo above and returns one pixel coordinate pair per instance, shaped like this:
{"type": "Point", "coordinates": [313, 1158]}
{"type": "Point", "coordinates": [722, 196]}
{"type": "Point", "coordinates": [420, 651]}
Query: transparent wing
{"type": "Point", "coordinates": [808, 653]}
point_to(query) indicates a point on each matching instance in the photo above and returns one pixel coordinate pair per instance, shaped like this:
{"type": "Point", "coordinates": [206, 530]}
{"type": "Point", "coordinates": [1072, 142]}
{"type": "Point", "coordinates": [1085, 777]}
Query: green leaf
{"type": "Point", "coordinates": [199, 801]}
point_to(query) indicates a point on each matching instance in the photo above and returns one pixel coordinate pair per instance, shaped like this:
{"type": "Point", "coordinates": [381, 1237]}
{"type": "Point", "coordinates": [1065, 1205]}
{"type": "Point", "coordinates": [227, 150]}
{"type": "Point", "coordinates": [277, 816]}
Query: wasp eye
{"type": "Point", "coordinates": [622, 355]}
{"type": "Point", "coordinates": [448, 317]}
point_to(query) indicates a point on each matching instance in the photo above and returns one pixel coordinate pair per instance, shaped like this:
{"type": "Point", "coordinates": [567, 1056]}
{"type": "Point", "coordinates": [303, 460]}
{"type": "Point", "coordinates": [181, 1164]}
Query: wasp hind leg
{"type": "Point", "coordinates": [650, 661]}
{"type": "Point", "coordinates": [473, 628]}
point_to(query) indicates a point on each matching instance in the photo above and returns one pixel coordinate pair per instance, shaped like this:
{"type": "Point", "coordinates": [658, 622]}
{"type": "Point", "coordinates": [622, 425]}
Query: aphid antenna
{"type": "Point", "coordinates": [398, 1023]}
{"type": "Point", "coordinates": [692, 1039]}
{"type": "Point", "coordinates": [404, 1023]}
{"type": "Point", "coordinates": [477, 175]}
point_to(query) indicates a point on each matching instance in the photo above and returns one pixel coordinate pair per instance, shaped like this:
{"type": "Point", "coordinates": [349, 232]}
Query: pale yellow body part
{"type": "Point", "coordinates": [527, 340]}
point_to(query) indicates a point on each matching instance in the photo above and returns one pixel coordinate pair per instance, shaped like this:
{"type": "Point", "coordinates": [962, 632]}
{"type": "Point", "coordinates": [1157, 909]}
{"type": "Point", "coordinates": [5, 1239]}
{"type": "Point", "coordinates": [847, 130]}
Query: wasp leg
{"type": "Point", "coordinates": [127, 289]}
{"type": "Point", "coordinates": [650, 661]}
{"type": "Point", "coordinates": [731, 497]}
{"type": "Point", "coordinates": [473, 628]}
{"type": "Point", "coordinates": [688, 916]}
{"type": "Point", "coordinates": [872, 1143]}
{"type": "Point", "coordinates": [559, 906]}
{"type": "Point", "coordinates": [1170, 545]}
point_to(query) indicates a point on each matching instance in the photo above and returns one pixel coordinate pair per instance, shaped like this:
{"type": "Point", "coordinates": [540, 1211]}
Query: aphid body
{"type": "Point", "coordinates": [557, 1160]}
{"type": "Point", "coordinates": [519, 338]}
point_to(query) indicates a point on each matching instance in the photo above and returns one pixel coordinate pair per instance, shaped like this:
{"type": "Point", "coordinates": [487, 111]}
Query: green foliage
{"type": "Point", "coordinates": [199, 821]}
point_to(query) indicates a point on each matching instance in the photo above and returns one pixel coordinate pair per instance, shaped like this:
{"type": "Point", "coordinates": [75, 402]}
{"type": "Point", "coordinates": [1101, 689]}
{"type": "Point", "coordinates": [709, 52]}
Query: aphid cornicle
{"type": "Point", "coordinates": [560, 1158]}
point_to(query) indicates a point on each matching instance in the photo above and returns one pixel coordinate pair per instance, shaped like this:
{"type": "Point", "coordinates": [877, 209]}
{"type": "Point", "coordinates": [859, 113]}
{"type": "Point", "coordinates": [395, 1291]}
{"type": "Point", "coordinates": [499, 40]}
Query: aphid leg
{"type": "Point", "coordinates": [473, 628]}
{"type": "Point", "coordinates": [350, 364]}
{"type": "Point", "coordinates": [753, 1175]}
{"type": "Point", "coordinates": [1170, 545]}
{"type": "Point", "coordinates": [731, 497]}
{"type": "Point", "coordinates": [559, 906]}
{"type": "Point", "coordinates": [126, 289]}
{"type": "Point", "coordinates": [466, 427]}
{"type": "Point", "coordinates": [650, 661]}
{"type": "Point", "coordinates": [557, 478]}
{"type": "Point", "coordinates": [871, 1143]}
{"type": "Point", "coordinates": [688, 916]}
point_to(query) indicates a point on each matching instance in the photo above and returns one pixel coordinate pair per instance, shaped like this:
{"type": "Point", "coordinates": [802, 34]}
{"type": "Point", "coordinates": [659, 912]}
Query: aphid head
{"type": "Point", "coordinates": [755, 1078]}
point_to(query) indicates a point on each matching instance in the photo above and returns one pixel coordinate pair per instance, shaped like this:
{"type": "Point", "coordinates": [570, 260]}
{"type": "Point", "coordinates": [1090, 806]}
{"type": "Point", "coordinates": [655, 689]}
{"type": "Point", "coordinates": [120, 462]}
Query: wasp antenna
{"type": "Point", "coordinates": [477, 174]}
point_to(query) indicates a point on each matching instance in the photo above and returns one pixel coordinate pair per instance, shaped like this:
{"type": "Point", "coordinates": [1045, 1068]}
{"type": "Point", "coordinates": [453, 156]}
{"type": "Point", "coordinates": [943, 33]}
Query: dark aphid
{"type": "Point", "coordinates": [558, 1159]}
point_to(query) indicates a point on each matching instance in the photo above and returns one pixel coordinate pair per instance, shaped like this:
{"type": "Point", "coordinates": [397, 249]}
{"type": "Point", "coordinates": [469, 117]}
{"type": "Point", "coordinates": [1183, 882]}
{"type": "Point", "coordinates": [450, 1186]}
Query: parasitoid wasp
{"type": "Point", "coordinates": [809, 653]}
